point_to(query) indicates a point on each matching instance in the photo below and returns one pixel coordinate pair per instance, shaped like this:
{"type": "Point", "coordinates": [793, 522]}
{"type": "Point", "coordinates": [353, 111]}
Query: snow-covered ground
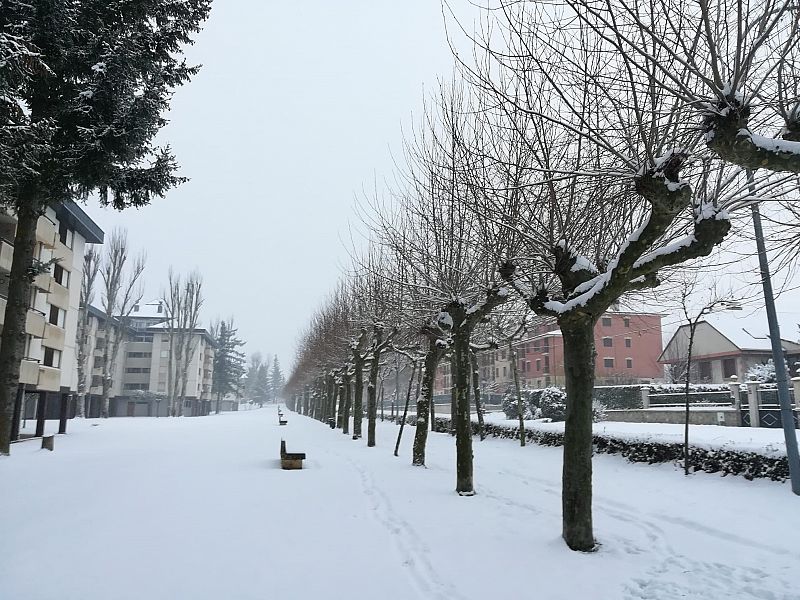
{"type": "Point", "coordinates": [761, 440]}
{"type": "Point", "coordinates": [198, 508]}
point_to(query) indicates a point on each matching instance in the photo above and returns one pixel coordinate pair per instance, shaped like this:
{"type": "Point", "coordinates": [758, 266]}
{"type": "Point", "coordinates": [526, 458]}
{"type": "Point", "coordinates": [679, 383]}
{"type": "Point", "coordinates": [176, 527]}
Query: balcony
{"type": "Point", "coordinates": [49, 379]}
{"type": "Point", "coordinates": [46, 232]}
{"type": "Point", "coordinates": [29, 371]}
{"type": "Point", "coordinates": [42, 282]}
{"type": "Point", "coordinates": [58, 295]}
{"type": "Point", "coordinates": [34, 322]}
{"type": "Point", "coordinates": [6, 255]}
{"type": "Point", "coordinates": [54, 335]}
{"type": "Point", "coordinates": [64, 255]}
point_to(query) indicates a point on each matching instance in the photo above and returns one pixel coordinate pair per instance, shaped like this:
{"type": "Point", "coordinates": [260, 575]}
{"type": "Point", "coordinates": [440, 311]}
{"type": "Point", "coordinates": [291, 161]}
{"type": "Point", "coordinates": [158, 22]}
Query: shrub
{"type": "Point", "coordinates": [552, 404]}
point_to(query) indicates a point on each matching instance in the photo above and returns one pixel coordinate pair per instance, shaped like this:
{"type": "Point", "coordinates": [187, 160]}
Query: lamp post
{"type": "Point", "coordinates": [787, 417]}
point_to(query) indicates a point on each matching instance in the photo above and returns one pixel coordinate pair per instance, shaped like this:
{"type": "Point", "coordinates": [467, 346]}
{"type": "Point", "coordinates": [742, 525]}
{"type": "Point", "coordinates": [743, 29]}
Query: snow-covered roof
{"type": "Point", "coordinates": [748, 331]}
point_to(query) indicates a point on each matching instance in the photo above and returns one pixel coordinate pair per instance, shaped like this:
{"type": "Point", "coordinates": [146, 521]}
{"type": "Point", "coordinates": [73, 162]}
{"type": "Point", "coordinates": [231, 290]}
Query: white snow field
{"type": "Point", "coordinates": [146, 509]}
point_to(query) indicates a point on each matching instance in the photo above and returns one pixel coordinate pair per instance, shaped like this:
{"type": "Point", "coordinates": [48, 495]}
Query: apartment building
{"type": "Point", "coordinates": [48, 371]}
{"type": "Point", "coordinates": [628, 348]}
{"type": "Point", "coordinates": [142, 366]}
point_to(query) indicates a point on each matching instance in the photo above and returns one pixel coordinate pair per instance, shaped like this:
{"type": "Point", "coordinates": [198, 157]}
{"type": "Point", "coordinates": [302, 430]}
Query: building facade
{"type": "Point", "coordinates": [142, 366]}
{"type": "Point", "coordinates": [722, 348]}
{"type": "Point", "coordinates": [48, 371]}
{"type": "Point", "coordinates": [628, 348]}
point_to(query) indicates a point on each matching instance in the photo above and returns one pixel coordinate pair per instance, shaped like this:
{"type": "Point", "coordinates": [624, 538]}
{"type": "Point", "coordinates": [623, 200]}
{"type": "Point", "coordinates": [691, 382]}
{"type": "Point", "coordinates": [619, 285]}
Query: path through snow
{"type": "Point", "coordinates": [198, 508]}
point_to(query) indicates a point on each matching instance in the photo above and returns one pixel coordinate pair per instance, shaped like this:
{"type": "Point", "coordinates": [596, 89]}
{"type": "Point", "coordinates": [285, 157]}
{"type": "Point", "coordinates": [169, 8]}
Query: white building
{"type": "Point", "coordinates": [48, 371]}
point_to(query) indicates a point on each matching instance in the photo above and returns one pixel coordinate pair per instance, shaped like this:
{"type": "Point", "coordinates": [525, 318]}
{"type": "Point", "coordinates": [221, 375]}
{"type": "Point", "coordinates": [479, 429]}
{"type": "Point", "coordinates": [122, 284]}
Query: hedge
{"type": "Point", "coordinates": [750, 465]}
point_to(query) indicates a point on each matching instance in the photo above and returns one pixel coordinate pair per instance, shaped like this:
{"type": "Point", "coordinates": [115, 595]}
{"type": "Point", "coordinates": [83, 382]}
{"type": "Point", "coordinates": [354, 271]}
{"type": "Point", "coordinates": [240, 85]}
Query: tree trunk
{"type": "Point", "coordinates": [520, 407]}
{"type": "Point", "coordinates": [219, 398]}
{"type": "Point", "coordinates": [425, 403]}
{"type": "Point", "coordinates": [12, 345]}
{"type": "Point", "coordinates": [358, 399]}
{"type": "Point", "coordinates": [405, 409]}
{"type": "Point", "coordinates": [476, 392]}
{"type": "Point", "coordinates": [372, 387]}
{"type": "Point", "coordinates": [335, 398]}
{"type": "Point", "coordinates": [576, 496]}
{"type": "Point", "coordinates": [348, 399]}
{"type": "Point", "coordinates": [107, 369]}
{"type": "Point", "coordinates": [463, 425]}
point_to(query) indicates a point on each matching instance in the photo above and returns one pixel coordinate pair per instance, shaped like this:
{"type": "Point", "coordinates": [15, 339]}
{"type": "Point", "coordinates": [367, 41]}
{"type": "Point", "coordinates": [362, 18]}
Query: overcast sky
{"type": "Point", "coordinates": [298, 107]}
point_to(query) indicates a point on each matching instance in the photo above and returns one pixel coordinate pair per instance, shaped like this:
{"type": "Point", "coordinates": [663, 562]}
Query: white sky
{"type": "Point", "coordinates": [298, 107]}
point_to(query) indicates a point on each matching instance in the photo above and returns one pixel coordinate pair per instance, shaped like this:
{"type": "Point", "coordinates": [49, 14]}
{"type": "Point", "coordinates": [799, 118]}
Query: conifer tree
{"type": "Point", "coordinates": [108, 70]}
{"type": "Point", "coordinates": [229, 361]}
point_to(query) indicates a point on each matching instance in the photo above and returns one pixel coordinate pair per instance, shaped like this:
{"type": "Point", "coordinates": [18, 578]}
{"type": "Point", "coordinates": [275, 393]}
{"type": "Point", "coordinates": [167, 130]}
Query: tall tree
{"type": "Point", "coordinates": [86, 123]}
{"type": "Point", "coordinates": [276, 379]}
{"type": "Point", "coordinates": [229, 361]}
{"type": "Point", "coordinates": [122, 290]}
{"type": "Point", "coordinates": [91, 265]}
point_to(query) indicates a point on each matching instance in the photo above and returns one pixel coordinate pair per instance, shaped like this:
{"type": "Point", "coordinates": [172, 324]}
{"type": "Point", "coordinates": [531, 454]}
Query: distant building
{"type": "Point", "coordinates": [722, 347]}
{"type": "Point", "coordinates": [628, 347]}
{"type": "Point", "coordinates": [141, 373]}
{"type": "Point", "coordinates": [48, 371]}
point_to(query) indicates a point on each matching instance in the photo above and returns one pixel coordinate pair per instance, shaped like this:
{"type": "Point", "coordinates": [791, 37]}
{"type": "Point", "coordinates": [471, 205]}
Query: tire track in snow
{"type": "Point", "coordinates": [412, 548]}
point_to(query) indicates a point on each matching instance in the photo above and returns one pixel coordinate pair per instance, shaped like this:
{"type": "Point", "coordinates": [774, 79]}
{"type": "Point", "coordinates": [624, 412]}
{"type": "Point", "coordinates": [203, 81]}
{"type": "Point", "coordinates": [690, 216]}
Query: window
{"type": "Point", "coordinates": [140, 354]}
{"type": "Point", "coordinates": [538, 365]}
{"type": "Point", "coordinates": [61, 275]}
{"type": "Point", "coordinates": [143, 337]}
{"type": "Point", "coordinates": [546, 345]}
{"type": "Point", "coordinates": [626, 321]}
{"type": "Point", "coordinates": [608, 363]}
{"type": "Point", "coordinates": [52, 357]}
{"type": "Point", "coordinates": [56, 316]}
{"type": "Point", "coordinates": [606, 321]}
{"type": "Point", "coordinates": [546, 364]}
{"type": "Point", "coordinates": [627, 342]}
{"type": "Point", "coordinates": [628, 363]}
{"type": "Point", "coordinates": [136, 386]}
{"type": "Point", "coordinates": [502, 355]}
{"type": "Point", "coordinates": [608, 342]}
{"type": "Point", "coordinates": [728, 367]}
{"type": "Point", "coordinates": [65, 235]}
{"type": "Point", "coordinates": [165, 354]}
{"type": "Point", "coordinates": [536, 345]}
{"type": "Point", "coordinates": [137, 370]}
{"type": "Point", "coordinates": [504, 371]}
{"type": "Point", "coordinates": [705, 370]}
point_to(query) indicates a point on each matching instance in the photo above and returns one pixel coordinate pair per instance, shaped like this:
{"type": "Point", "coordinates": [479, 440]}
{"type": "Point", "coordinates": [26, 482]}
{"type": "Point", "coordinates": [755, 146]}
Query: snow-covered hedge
{"type": "Point", "coordinates": [728, 462]}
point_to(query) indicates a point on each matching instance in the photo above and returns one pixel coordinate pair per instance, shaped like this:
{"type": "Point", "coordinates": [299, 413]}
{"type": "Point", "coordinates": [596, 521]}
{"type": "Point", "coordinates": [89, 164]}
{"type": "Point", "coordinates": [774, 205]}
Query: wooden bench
{"type": "Point", "coordinates": [291, 460]}
{"type": "Point", "coordinates": [281, 420]}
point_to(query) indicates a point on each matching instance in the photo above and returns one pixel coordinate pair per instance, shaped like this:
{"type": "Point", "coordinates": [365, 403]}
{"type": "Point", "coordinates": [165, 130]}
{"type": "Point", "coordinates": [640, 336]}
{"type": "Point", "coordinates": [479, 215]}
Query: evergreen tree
{"type": "Point", "coordinates": [261, 389]}
{"type": "Point", "coordinates": [276, 380]}
{"type": "Point", "coordinates": [109, 68]}
{"type": "Point", "coordinates": [229, 361]}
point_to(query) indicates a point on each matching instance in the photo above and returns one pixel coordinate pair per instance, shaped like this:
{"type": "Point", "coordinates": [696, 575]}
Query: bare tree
{"type": "Point", "coordinates": [122, 290]}
{"type": "Point", "coordinates": [182, 302]}
{"type": "Point", "coordinates": [91, 265]}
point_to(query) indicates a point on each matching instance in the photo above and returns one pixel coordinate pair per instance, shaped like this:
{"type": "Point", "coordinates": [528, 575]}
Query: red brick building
{"type": "Point", "coordinates": [628, 346]}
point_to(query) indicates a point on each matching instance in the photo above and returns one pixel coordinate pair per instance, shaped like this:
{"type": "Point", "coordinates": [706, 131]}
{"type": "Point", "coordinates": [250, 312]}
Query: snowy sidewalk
{"type": "Point", "coordinates": [198, 508]}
